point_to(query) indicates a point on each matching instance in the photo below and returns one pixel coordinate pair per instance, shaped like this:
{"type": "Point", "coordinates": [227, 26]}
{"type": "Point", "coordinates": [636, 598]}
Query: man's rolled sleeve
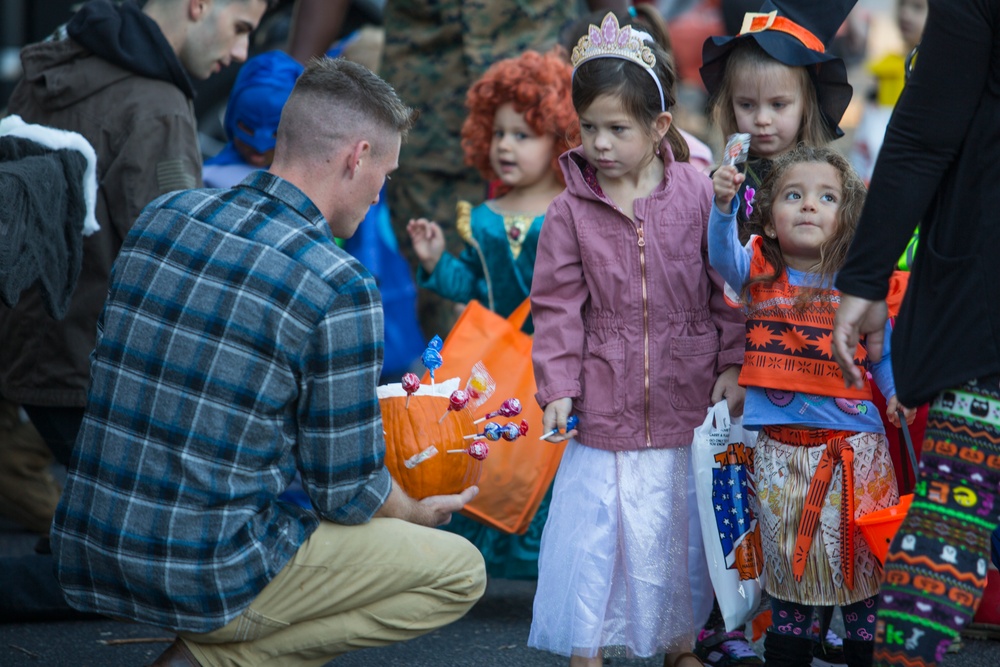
{"type": "Point", "coordinates": [341, 441]}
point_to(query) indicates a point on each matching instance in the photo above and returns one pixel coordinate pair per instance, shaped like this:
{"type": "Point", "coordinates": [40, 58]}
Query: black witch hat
{"type": "Point", "coordinates": [795, 33]}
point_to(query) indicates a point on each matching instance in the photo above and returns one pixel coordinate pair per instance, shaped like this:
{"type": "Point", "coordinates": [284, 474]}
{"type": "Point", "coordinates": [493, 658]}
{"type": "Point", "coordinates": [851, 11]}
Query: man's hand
{"type": "Point", "coordinates": [857, 317]}
{"type": "Point", "coordinates": [432, 511]}
{"type": "Point", "coordinates": [438, 509]}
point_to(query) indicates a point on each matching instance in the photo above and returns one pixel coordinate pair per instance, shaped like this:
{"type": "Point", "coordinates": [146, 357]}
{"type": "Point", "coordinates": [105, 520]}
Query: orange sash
{"type": "Point", "coordinates": [838, 449]}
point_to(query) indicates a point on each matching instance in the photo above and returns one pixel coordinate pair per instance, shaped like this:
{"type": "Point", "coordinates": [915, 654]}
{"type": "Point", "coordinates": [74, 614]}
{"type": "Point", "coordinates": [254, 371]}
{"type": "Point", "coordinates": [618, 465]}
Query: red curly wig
{"type": "Point", "coordinates": [540, 87]}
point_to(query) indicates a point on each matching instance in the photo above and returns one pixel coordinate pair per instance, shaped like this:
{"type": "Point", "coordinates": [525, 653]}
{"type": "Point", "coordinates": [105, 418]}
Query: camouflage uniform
{"type": "Point", "coordinates": [434, 50]}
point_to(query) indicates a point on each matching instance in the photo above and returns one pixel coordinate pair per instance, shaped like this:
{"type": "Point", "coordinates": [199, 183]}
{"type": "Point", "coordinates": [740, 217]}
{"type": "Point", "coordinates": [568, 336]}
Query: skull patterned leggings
{"type": "Point", "coordinates": [935, 572]}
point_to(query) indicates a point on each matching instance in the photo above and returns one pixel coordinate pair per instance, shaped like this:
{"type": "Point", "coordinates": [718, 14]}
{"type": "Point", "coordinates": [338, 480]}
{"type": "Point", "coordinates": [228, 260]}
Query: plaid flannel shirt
{"type": "Point", "coordinates": [238, 344]}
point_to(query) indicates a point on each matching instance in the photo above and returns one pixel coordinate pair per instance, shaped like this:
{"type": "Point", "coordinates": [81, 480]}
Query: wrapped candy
{"type": "Point", "coordinates": [491, 431]}
{"type": "Point", "coordinates": [571, 424]}
{"type": "Point", "coordinates": [457, 401]}
{"type": "Point", "coordinates": [431, 358]}
{"type": "Point", "coordinates": [480, 386]}
{"type": "Point", "coordinates": [737, 149]}
{"type": "Point", "coordinates": [420, 457]}
{"type": "Point", "coordinates": [509, 408]}
{"type": "Point", "coordinates": [411, 383]}
{"type": "Point", "coordinates": [478, 450]}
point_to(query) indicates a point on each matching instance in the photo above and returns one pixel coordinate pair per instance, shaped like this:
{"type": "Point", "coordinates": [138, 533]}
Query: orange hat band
{"type": "Point", "coordinates": [756, 22]}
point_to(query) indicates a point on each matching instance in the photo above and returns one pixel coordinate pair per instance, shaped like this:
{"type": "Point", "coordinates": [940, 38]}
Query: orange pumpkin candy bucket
{"type": "Point", "coordinates": [878, 528]}
{"type": "Point", "coordinates": [418, 440]}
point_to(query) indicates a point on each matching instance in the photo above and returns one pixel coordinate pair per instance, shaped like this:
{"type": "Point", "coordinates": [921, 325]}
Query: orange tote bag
{"type": "Point", "coordinates": [515, 475]}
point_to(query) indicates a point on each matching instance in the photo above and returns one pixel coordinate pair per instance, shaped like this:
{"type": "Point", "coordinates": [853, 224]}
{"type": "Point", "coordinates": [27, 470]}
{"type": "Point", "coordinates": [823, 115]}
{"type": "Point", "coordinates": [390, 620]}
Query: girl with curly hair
{"type": "Point", "coordinates": [521, 119]}
{"type": "Point", "coordinates": [822, 458]}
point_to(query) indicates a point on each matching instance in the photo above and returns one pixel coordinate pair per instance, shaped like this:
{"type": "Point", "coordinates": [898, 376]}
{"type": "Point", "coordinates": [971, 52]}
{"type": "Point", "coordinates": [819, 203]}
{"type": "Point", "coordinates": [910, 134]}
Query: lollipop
{"type": "Point", "coordinates": [509, 408]}
{"type": "Point", "coordinates": [478, 450]}
{"type": "Point", "coordinates": [411, 383]}
{"type": "Point", "coordinates": [491, 431]}
{"type": "Point", "coordinates": [571, 424]}
{"type": "Point", "coordinates": [431, 357]}
{"type": "Point", "coordinates": [510, 432]}
{"type": "Point", "coordinates": [459, 399]}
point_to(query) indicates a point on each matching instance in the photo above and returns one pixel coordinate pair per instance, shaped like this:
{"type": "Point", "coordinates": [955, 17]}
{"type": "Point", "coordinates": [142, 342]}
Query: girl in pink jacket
{"type": "Point", "coordinates": [633, 335]}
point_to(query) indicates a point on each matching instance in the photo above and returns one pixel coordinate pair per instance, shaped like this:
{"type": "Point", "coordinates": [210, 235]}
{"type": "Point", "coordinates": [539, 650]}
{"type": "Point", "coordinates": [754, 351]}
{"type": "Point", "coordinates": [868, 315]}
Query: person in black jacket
{"type": "Point", "coordinates": [121, 76]}
{"type": "Point", "coordinates": [939, 166]}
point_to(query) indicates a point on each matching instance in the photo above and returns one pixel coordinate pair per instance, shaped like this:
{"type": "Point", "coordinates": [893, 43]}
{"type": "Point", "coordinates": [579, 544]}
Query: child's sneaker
{"type": "Point", "coordinates": [829, 652]}
{"type": "Point", "coordinates": [725, 649]}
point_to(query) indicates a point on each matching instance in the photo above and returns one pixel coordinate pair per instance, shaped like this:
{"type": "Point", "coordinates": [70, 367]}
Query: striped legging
{"type": "Point", "coordinates": [935, 572]}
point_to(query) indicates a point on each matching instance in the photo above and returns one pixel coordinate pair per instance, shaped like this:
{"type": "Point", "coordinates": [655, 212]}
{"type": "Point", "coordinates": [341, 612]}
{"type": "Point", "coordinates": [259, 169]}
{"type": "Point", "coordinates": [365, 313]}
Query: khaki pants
{"type": "Point", "coordinates": [28, 492]}
{"type": "Point", "coordinates": [347, 588]}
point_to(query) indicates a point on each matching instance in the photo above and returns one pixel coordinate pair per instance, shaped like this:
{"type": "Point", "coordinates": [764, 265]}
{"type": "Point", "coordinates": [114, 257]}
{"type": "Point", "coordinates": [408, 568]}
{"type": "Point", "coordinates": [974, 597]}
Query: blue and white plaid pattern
{"type": "Point", "coordinates": [238, 343]}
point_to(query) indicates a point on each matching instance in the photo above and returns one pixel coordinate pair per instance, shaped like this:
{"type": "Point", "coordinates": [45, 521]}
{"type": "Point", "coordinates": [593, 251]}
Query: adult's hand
{"type": "Point", "coordinates": [432, 511]}
{"type": "Point", "coordinates": [438, 509]}
{"type": "Point", "coordinates": [857, 317]}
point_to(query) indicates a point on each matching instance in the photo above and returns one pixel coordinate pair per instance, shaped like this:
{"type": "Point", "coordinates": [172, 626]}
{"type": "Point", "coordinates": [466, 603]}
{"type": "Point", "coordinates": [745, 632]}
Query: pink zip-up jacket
{"type": "Point", "coordinates": [630, 320]}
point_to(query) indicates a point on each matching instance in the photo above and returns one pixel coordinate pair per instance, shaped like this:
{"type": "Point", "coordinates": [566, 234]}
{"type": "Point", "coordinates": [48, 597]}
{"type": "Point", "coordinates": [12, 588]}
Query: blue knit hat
{"type": "Point", "coordinates": [795, 33]}
{"type": "Point", "coordinates": [261, 89]}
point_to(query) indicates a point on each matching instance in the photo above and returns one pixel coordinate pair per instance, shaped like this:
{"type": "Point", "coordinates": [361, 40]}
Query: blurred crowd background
{"type": "Point", "coordinates": [870, 33]}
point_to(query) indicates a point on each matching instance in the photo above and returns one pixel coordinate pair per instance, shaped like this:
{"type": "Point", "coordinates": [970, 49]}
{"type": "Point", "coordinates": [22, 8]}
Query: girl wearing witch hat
{"type": "Point", "coordinates": [776, 82]}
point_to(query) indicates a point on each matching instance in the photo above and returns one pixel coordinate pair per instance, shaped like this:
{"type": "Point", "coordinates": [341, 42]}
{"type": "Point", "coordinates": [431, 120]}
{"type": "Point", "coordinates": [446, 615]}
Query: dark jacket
{"type": "Point", "coordinates": [940, 164]}
{"type": "Point", "coordinates": [133, 104]}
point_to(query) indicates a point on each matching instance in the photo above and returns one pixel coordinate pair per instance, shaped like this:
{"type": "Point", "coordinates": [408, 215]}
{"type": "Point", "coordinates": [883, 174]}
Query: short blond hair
{"type": "Point", "coordinates": [746, 57]}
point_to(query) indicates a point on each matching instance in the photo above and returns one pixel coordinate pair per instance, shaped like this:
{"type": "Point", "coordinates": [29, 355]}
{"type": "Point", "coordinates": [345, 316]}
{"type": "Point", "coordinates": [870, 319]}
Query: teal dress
{"type": "Point", "coordinates": [495, 268]}
{"type": "Point", "coordinates": [497, 264]}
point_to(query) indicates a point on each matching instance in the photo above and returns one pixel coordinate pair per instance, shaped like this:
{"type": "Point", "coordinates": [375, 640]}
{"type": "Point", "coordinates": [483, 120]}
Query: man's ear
{"type": "Point", "coordinates": [361, 151]}
{"type": "Point", "coordinates": [198, 9]}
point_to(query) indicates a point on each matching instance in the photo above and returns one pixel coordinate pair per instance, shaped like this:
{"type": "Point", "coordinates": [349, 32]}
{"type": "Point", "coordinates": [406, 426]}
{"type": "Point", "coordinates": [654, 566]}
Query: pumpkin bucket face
{"type": "Point", "coordinates": [409, 435]}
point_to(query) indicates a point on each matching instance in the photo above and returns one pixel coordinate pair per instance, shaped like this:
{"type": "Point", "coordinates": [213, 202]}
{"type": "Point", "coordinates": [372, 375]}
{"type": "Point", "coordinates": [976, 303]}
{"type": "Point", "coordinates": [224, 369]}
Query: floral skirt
{"type": "Point", "coordinates": [782, 474]}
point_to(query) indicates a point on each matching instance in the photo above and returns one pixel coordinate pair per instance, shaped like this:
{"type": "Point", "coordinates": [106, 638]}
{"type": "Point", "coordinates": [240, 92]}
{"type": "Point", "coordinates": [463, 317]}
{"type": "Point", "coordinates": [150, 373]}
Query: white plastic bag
{"type": "Point", "coordinates": [723, 458]}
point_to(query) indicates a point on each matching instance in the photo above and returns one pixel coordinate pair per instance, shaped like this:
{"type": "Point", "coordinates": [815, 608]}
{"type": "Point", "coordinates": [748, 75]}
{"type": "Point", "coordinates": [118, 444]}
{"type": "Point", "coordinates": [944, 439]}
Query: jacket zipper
{"type": "Point", "coordinates": [645, 330]}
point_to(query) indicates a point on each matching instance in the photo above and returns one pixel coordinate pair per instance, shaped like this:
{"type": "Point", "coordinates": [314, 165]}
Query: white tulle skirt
{"type": "Point", "coordinates": [622, 564]}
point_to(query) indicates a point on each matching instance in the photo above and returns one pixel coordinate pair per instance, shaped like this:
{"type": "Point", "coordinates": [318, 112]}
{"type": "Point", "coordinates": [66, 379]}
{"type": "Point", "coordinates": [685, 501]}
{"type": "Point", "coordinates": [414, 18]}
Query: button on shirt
{"type": "Point", "coordinates": [238, 344]}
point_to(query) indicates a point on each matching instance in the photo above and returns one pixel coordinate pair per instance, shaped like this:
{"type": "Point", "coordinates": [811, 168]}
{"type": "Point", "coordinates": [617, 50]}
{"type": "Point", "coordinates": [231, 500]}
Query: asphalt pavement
{"type": "Point", "coordinates": [493, 634]}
